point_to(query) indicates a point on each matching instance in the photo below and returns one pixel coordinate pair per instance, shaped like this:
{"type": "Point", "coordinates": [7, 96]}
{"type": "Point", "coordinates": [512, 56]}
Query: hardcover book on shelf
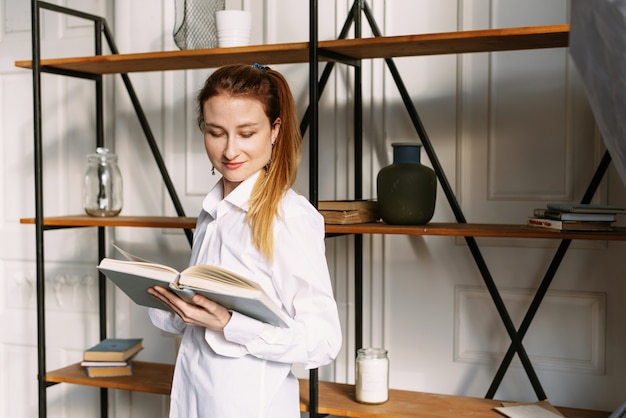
{"type": "Point", "coordinates": [347, 204]}
{"type": "Point", "coordinates": [585, 208]}
{"type": "Point", "coordinates": [570, 225]}
{"type": "Point", "coordinates": [109, 371]}
{"type": "Point", "coordinates": [95, 363]}
{"type": "Point", "coordinates": [573, 216]}
{"type": "Point", "coordinates": [346, 217]}
{"type": "Point", "coordinates": [344, 212]}
{"type": "Point", "coordinates": [220, 285]}
{"type": "Point", "coordinates": [113, 349]}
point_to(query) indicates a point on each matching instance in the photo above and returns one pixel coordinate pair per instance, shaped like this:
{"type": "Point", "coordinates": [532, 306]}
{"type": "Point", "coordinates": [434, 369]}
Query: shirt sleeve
{"type": "Point", "coordinates": [302, 280]}
{"type": "Point", "coordinates": [166, 321]}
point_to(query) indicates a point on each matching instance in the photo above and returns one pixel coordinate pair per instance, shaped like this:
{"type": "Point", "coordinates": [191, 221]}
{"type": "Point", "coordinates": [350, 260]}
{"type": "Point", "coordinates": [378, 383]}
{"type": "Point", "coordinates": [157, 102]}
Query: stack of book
{"type": "Point", "coordinates": [343, 212]}
{"type": "Point", "coordinates": [576, 217]}
{"type": "Point", "coordinates": [111, 357]}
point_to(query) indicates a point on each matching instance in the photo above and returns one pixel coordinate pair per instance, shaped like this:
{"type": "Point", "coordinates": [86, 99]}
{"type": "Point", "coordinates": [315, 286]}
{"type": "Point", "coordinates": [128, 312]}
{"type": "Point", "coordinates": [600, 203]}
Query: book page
{"type": "Point", "coordinates": [132, 257]}
{"type": "Point", "coordinates": [206, 272]}
{"type": "Point", "coordinates": [215, 274]}
{"type": "Point", "coordinates": [133, 265]}
{"type": "Point", "coordinates": [341, 205]}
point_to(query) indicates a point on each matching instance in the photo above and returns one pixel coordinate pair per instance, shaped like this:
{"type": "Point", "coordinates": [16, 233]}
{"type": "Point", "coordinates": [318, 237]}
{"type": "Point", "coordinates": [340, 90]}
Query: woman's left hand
{"type": "Point", "coordinates": [201, 311]}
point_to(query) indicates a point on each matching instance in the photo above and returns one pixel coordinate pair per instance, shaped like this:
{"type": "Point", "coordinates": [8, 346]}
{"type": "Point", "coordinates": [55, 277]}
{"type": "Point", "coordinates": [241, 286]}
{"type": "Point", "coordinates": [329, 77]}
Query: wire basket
{"type": "Point", "coordinates": [194, 25]}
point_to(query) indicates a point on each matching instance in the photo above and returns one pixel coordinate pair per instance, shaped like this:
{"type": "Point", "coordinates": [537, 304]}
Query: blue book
{"type": "Point", "coordinates": [113, 349]}
{"type": "Point", "coordinates": [584, 208]}
{"type": "Point", "coordinates": [557, 215]}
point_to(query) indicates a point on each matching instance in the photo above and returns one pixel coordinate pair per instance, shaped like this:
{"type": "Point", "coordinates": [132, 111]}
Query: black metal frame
{"type": "Point", "coordinates": [100, 28]}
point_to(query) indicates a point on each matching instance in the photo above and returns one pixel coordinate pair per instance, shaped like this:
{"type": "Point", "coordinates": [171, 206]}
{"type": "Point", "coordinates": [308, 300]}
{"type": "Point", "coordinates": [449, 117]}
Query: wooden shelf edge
{"type": "Point", "coordinates": [182, 222]}
{"type": "Point", "coordinates": [147, 377]}
{"type": "Point", "coordinates": [338, 399]}
{"type": "Point", "coordinates": [189, 59]}
{"type": "Point", "coordinates": [430, 229]}
{"type": "Point", "coordinates": [474, 230]}
{"type": "Point", "coordinates": [334, 398]}
{"type": "Point", "coordinates": [531, 37]}
{"type": "Point", "coordinates": [459, 42]}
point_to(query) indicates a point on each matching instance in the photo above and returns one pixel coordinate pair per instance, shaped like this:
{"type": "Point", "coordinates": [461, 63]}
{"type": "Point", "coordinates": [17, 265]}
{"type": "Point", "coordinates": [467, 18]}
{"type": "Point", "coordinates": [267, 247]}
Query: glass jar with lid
{"type": "Point", "coordinates": [372, 376]}
{"type": "Point", "coordinates": [102, 187]}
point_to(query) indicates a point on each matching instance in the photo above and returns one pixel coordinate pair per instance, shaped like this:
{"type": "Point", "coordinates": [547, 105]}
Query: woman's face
{"type": "Point", "coordinates": [238, 137]}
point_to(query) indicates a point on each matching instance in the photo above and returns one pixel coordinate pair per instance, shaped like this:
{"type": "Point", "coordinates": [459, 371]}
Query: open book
{"type": "Point", "coordinates": [135, 275]}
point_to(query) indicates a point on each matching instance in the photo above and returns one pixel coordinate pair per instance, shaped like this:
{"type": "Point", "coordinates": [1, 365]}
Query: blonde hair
{"type": "Point", "coordinates": [271, 89]}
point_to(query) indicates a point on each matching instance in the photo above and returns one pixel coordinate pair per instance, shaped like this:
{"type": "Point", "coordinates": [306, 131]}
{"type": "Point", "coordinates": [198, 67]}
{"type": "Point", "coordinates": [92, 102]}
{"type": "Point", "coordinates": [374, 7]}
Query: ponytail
{"type": "Point", "coordinates": [281, 173]}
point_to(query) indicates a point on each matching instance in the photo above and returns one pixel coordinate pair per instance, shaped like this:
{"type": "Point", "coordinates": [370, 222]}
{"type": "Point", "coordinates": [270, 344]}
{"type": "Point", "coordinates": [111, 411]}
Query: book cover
{"type": "Point", "coordinates": [584, 208]}
{"type": "Point", "coordinates": [545, 404]}
{"type": "Point", "coordinates": [573, 216]}
{"type": "Point", "coordinates": [526, 411]}
{"type": "Point", "coordinates": [569, 225]}
{"type": "Point", "coordinates": [230, 290]}
{"type": "Point", "coordinates": [109, 371]}
{"type": "Point", "coordinates": [113, 349]}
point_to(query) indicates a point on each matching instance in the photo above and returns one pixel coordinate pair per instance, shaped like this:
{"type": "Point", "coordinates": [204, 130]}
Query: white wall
{"type": "Point", "coordinates": [511, 129]}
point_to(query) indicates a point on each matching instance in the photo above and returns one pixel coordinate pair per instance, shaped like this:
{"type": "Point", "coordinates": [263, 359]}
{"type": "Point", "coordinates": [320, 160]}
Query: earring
{"type": "Point", "coordinates": [213, 171]}
{"type": "Point", "coordinates": [267, 167]}
{"type": "Point", "coordinates": [269, 163]}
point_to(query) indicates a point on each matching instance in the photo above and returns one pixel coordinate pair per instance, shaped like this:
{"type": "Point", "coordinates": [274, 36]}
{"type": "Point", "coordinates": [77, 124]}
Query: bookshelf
{"type": "Point", "coordinates": [334, 398]}
{"type": "Point", "coordinates": [331, 398]}
{"type": "Point", "coordinates": [506, 39]}
{"type": "Point", "coordinates": [431, 229]}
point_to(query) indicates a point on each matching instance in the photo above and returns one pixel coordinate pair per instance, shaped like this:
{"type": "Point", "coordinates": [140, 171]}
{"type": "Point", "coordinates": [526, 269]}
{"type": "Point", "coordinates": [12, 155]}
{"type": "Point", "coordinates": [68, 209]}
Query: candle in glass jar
{"type": "Point", "coordinates": [372, 376]}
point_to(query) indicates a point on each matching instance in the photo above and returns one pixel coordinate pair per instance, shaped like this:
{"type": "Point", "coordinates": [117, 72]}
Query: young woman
{"type": "Point", "coordinates": [253, 223]}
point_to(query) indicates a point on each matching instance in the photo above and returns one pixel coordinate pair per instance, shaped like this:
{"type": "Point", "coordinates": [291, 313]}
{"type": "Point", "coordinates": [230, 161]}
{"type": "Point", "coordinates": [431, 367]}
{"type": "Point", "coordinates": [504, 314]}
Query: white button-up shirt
{"type": "Point", "coordinates": [245, 371]}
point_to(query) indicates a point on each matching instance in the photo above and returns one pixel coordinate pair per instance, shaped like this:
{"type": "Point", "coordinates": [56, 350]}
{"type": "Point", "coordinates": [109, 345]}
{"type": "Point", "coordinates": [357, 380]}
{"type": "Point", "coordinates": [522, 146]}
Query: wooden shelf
{"type": "Point", "coordinates": [147, 377]}
{"type": "Point", "coordinates": [534, 37]}
{"type": "Point", "coordinates": [431, 229]}
{"type": "Point", "coordinates": [334, 398]}
{"type": "Point", "coordinates": [475, 230]}
{"type": "Point", "coordinates": [132, 221]}
{"type": "Point", "coordinates": [338, 399]}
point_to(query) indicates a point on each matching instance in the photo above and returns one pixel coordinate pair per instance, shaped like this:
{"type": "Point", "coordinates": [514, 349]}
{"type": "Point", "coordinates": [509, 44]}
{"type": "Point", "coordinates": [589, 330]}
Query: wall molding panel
{"type": "Point", "coordinates": [567, 334]}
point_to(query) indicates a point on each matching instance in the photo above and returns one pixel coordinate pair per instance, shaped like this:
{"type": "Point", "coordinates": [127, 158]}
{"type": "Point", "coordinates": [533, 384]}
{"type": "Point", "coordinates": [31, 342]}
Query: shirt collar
{"type": "Point", "coordinates": [239, 197]}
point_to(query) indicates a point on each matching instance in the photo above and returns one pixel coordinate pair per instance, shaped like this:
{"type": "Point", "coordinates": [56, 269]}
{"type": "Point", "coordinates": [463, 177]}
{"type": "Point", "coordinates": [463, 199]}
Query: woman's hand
{"type": "Point", "coordinates": [201, 311]}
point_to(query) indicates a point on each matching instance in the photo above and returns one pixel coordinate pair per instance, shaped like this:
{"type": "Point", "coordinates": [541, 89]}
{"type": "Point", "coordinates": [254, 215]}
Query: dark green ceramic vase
{"type": "Point", "coordinates": [406, 189]}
